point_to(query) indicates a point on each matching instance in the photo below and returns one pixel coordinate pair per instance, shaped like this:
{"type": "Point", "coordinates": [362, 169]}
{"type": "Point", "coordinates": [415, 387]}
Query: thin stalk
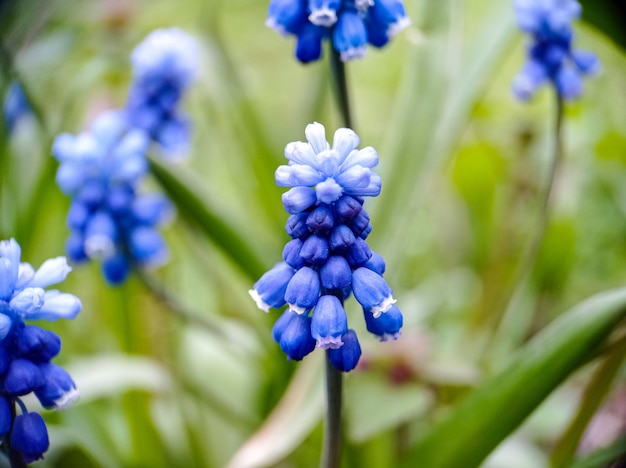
{"type": "Point", "coordinates": [173, 303]}
{"type": "Point", "coordinates": [331, 452]}
{"type": "Point", "coordinates": [338, 73]}
{"type": "Point", "coordinates": [530, 254]}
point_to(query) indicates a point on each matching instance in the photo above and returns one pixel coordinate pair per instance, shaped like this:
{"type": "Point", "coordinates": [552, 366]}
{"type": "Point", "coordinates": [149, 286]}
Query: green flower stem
{"type": "Point", "coordinates": [531, 252]}
{"type": "Point", "coordinates": [331, 453]}
{"type": "Point", "coordinates": [338, 72]}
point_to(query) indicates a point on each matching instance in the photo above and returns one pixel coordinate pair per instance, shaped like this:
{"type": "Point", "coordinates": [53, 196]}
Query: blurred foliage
{"type": "Point", "coordinates": [463, 168]}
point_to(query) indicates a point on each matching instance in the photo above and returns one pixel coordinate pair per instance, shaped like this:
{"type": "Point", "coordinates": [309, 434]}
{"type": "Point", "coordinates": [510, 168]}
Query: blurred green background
{"type": "Point", "coordinates": [463, 165]}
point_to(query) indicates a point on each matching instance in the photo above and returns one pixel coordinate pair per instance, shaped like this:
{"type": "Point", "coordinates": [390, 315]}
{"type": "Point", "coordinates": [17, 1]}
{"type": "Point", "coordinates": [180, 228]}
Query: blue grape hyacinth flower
{"type": "Point", "coordinates": [551, 55]}
{"type": "Point", "coordinates": [16, 106]}
{"type": "Point", "coordinates": [101, 171]}
{"type": "Point", "coordinates": [349, 24]}
{"type": "Point", "coordinates": [164, 65]}
{"type": "Point", "coordinates": [26, 350]}
{"type": "Point", "coordinates": [328, 258]}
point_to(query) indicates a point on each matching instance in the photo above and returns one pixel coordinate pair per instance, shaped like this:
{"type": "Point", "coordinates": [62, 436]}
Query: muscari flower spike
{"type": "Point", "coordinates": [26, 350]}
{"type": "Point", "coordinates": [101, 171]}
{"type": "Point", "coordinates": [328, 257]}
{"type": "Point", "coordinates": [164, 65]}
{"type": "Point", "coordinates": [349, 24]}
{"type": "Point", "coordinates": [551, 56]}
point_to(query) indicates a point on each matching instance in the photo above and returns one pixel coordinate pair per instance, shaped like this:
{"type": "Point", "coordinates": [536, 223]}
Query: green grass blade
{"type": "Point", "coordinates": [496, 408]}
{"type": "Point", "coordinates": [196, 207]}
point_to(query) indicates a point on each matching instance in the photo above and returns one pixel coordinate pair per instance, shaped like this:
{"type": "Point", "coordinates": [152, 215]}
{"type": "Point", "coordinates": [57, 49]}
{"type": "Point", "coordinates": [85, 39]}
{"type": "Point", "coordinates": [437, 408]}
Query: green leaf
{"type": "Point", "coordinates": [594, 395]}
{"type": "Point", "coordinates": [493, 411]}
{"type": "Point", "coordinates": [215, 222]}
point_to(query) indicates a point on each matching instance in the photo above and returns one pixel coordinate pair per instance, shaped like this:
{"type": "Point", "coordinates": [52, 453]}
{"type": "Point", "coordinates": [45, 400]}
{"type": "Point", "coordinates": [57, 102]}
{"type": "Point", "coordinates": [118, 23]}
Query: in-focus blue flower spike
{"type": "Point", "coordinates": [551, 56]}
{"type": "Point", "coordinates": [101, 170]}
{"type": "Point", "coordinates": [328, 258]}
{"type": "Point", "coordinates": [26, 351]}
{"type": "Point", "coordinates": [349, 24]}
{"type": "Point", "coordinates": [164, 65]}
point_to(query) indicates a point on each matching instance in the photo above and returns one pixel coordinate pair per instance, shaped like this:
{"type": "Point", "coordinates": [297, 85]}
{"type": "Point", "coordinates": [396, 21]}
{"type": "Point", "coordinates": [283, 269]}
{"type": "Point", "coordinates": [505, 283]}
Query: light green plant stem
{"type": "Point", "coordinates": [529, 256]}
{"type": "Point", "coordinates": [331, 453]}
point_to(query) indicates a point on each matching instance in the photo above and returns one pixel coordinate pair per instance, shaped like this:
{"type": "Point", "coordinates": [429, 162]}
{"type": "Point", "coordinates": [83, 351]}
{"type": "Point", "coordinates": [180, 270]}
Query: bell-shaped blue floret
{"type": "Point", "coordinates": [348, 208]}
{"type": "Point", "coordinates": [52, 271]}
{"type": "Point", "coordinates": [269, 290]}
{"type": "Point", "coordinates": [5, 416]}
{"type": "Point", "coordinates": [37, 344]}
{"type": "Point", "coordinates": [359, 253]}
{"type": "Point", "coordinates": [360, 222]}
{"type": "Point", "coordinates": [309, 43]}
{"type": "Point", "coordinates": [303, 290]}
{"type": "Point", "coordinates": [387, 326]}
{"type": "Point", "coordinates": [320, 220]}
{"type": "Point", "coordinates": [336, 273]}
{"type": "Point", "coordinates": [347, 357]}
{"type": "Point", "coordinates": [281, 324]}
{"type": "Point", "coordinates": [28, 301]}
{"type": "Point", "coordinates": [57, 306]}
{"type": "Point", "coordinates": [341, 238]}
{"type": "Point", "coordinates": [147, 246]}
{"type": "Point", "coordinates": [151, 209]}
{"type": "Point", "coordinates": [30, 436]}
{"type": "Point", "coordinates": [5, 325]}
{"type": "Point", "coordinates": [5, 358]}
{"type": "Point", "coordinates": [315, 250]}
{"type": "Point", "coordinates": [296, 340]}
{"type": "Point", "coordinates": [101, 235]}
{"type": "Point", "coordinates": [22, 377]}
{"type": "Point", "coordinates": [75, 247]}
{"type": "Point", "coordinates": [324, 12]}
{"type": "Point", "coordinates": [329, 322]}
{"type": "Point", "coordinates": [115, 268]}
{"type": "Point", "coordinates": [58, 390]}
{"type": "Point", "coordinates": [568, 83]}
{"type": "Point", "coordinates": [78, 215]}
{"type": "Point", "coordinates": [372, 291]}
{"type": "Point", "coordinates": [291, 254]}
{"type": "Point", "coordinates": [298, 199]}
{"type": "Point", "coordinates": [296, 225]}
{"type": "Point", "coordinates": [376, 263]}
{"type": "Point", "coordinates": [389, 16]}
{"type": "Point", "coordinates": [286, 16]}
{"type": "Point", "coordinates": [349, 35]}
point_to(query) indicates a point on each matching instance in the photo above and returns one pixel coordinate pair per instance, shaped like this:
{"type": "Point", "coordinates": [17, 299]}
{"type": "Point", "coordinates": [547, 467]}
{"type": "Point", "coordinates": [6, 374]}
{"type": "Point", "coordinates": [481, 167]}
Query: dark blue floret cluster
{"type": "Point", "coordinates": [26, 350]}
{"type": "Point", "coordinates": [102, 169]}
{"type": "Point", "coordinates": [350, 24]}
{"type": "Point", "coordinates": [164, 65]}
{"type": "Point", "coordinates": [328, 258]}
{"type": "Point", "coordinates": [551, 56]}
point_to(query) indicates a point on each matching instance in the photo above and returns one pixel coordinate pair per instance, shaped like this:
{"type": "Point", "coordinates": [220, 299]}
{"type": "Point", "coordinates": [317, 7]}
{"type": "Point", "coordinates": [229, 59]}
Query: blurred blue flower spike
{"type": "Point", "coordinates": [101, 170]}
{"type": "Point", "coordinates": [164, 65]}
{"type": "Point", "coordinates": [16, 106]}
{"type": "Point", "coordinates": [328, 258]}
{"type": "Point", "coordinates": [26, 350]}
{"type": "Point", "coordinates": [349, 24]}
{"type": "Point", "coordinates": [551, 56]}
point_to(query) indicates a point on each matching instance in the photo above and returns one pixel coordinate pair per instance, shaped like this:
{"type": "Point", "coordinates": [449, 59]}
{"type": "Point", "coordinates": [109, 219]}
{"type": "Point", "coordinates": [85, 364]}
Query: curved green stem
{"type": "Point", "coordinates": [338, 73]}
{"type": "Point", "coordinates": [531, 252]}
{"type": "Point", "coordinates": [331, 453]}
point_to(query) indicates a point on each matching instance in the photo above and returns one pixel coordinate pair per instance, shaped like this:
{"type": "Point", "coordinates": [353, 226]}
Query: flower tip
{"type": "Point", "coordinates": [383, 306]}
{"type": "Point", "coordinates": [260, 303]}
